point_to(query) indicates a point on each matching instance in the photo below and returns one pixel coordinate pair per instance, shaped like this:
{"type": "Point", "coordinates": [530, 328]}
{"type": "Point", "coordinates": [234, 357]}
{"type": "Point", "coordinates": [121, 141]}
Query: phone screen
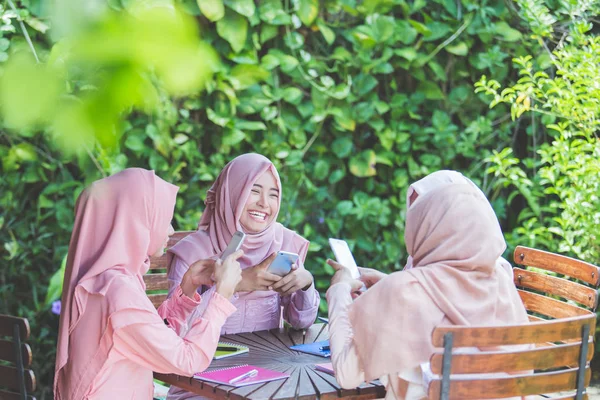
{"type": "Point", "coordinates": [344, 256]}
{"type": "Point", "coordinates": [234, 244]}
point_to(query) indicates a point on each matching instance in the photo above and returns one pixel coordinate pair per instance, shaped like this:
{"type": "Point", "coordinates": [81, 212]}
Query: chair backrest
{"type": "Point", "coordinates": [157, 285]}
{"type": "Point", "coordinates": [548, 297]}
{"type": "Point", "coordinates": [495, 373]}
{"type": "Point", "coordinates": [17, 382]}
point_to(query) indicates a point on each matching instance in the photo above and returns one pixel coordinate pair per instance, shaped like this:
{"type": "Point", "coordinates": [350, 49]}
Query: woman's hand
{"type": "Point", "coordinates": [257, 277]}
{"type": "Point", "coordinates": [198, 274]}
{"type": "Point", "coordinates": [370, 276]}
{"type": "Point", "coordinates": [298, 278]}
{"type": "Point", "coordinates": [228, 274]}
{"type": "Point", "coordinates": [343, 275]}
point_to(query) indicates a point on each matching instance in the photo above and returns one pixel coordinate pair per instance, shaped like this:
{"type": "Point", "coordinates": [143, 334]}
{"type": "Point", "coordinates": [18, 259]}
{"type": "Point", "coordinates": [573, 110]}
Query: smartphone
{"type": "Point", "coordinates": [282, 264]}
{"type": "Point", "coordinates": [344, 256]}
{"type": "Point", "coordinates": [234, 244]}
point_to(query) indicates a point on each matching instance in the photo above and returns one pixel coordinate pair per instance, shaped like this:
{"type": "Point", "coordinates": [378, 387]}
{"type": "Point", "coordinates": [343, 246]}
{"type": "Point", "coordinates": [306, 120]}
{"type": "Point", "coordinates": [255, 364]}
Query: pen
{"type": "Point", "coordinates": [248, 374]}
{"type": "Point", "coordinates": [227, 348]}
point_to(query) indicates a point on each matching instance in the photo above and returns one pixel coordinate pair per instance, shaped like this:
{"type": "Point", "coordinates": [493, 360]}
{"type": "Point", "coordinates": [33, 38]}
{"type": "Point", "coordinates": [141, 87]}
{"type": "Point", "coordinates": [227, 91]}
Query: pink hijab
{"type": "Point", "coordinates": [436, 180]}
{"type": "Point", "coordinates": [225, 203]}
{"type": "Point", "coordinates": [455, 239]}
{"type": "Point", "coordinates": [119, 222]}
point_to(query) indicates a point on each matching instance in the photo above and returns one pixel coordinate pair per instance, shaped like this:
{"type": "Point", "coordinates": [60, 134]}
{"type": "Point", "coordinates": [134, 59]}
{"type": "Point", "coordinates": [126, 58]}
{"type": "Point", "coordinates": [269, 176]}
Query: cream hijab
{"type": "Point", "coordinates": [436, 180]}
{"type": "Point", "coordinates": [455, 240]}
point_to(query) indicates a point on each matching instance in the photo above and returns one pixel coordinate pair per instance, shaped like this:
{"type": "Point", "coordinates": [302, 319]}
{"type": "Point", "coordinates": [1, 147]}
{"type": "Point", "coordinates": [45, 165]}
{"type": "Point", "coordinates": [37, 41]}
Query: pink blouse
{"type": "Point", "coordinates": [260, 310]}
{"type": "Point", "coordinates": [140, 349]}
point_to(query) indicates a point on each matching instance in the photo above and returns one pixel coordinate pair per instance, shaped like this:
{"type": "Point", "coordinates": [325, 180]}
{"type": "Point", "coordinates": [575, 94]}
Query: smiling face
{"type": "Point", "coordinates": [262, 205]}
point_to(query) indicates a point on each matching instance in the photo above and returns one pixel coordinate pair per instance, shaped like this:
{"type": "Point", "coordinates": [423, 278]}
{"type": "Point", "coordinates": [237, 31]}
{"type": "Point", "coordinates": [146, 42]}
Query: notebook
{"type": "Point", "coordinates": [225, 375]}
{"type": "Point", "coordinates": [325, 367]}
{"type": "Point", "coordinates": [228, 353]}
{"type": "Point", "coordinates": [313, 348]}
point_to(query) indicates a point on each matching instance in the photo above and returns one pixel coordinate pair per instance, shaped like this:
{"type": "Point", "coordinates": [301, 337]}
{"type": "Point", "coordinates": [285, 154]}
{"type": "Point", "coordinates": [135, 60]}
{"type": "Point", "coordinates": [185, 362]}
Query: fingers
{"type": "Point", "coordinates": [294, 266]}
{"type": "Point", "coordinates": [235, 256]}
{"type": "Point", "coordinates": [364, 270]}
{"type": "Point", "coordinates": [267, 261]}
{"type": "Point", "coordinates": [283, 281]}
{"type": "Point", "coordinates": [356, 285]}
{"type": "Point", "coordinates": [336, 265]}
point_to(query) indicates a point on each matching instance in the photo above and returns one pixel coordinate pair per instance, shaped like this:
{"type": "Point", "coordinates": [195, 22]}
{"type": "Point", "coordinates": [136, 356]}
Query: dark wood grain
{"type": "Point", "coordinates": [270, 349]}
{"type": "Point", "coordinates": [5, 395]}
{"type": "Point", "coordinates": [9, 378]}
{"type": "Point", "coordinates": [550, 307]}
{"type": "Point", "coordinates": [159, 263]}
{"type": "Point", "coordinates": [542, 358]}
{"type": "Point", "coordinates": [552, 285]}
{"type": "Point", "coordinates": [7, 323]}
{"type": "Point", "coordinates": [512, 386]}
{"type": "Point", "coordinates": [157, 299]}
{"type": "Point", "coordinates": [156, 282]}
{"type": "Point", "coordinates": [535, 332]}
{"type": "Point", "coordinates": [7, 352]}
{"type": "Point", "coordinates": [570, 267]}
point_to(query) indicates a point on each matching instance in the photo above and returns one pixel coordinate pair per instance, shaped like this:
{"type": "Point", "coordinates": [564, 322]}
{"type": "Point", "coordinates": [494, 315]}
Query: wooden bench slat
{"type": "Point", "coordinates": [535, 332]}
{"type": "Point", "coordinates": [513, 361]}
{"type": "Point", "coordinates": [156, 282]}
{"type": "Point", "coordinates": [157, 299]}
{"type": "Point", "coordinates": [556, 286]}
{"type": "Point", "coordinates": [510, 386]}
{"type": "Point", "coordinates": [9, 379]}
{"type": "Point", "coordinates": [7, 323]}
{"type": "Point", "coordinates": [6, 395]}
{"type": "Point", "coordinates": [550, 307]}
{"type": "Point", "coordinates": [568, 266]}
{"type": "Point", "coordinates": [7, 352]}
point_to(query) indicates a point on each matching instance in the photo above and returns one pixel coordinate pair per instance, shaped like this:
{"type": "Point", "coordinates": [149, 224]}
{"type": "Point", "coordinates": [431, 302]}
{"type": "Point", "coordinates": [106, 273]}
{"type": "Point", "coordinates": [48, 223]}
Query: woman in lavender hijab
{"type": "Point", "coordinates": [246, 196]}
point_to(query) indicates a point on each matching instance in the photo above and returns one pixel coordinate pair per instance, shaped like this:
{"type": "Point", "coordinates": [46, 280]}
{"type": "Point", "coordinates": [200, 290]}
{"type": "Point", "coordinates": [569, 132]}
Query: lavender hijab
{"type": "Point", "coordinates": [225, 203]}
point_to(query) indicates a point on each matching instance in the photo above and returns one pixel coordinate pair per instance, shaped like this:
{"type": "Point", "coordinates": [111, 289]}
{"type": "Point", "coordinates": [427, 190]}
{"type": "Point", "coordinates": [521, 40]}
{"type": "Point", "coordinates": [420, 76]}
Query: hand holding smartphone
{"type": "Point", "coordinates": [344, 256]}
{"type": "Point", "coordinates": [234, 245]}
{"type": "Point", "coordinates": [282, 264]}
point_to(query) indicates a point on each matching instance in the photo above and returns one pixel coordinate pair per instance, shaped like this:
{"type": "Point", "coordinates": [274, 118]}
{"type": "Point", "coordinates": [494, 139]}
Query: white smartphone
{"type": "Point", "coordinates": [282, 264]}
{"type": "Point", "coordinates": [234, 244]}
{"type": "Point", "coordinates": [344, 256]}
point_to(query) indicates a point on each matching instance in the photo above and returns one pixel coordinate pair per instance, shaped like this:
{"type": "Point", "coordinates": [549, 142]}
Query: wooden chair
{"type": "Point", "coordinates": [549, 297]}
{"type": "Point", "coordinates": [157, 285]}
{"type": "Point", "coordinates": [561, 368]}
{"type": "Point", "coordinates": [16, 381]}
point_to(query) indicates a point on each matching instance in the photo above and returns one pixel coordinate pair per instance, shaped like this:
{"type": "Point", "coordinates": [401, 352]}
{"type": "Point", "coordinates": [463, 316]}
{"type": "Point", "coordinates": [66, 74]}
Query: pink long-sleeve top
{"type": "Point", "coordinates": [259, 310]}
{"type": "Point", "coordinates": [140, 349]}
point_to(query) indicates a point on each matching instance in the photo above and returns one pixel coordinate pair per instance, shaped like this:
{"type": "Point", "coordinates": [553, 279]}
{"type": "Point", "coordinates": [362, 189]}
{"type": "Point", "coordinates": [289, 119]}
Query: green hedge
{"type": "Point", "coordinates": [352, 100]}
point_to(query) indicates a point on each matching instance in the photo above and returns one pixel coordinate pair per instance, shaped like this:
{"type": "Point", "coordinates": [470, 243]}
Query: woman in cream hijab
{"type": "Point", "coordinates": [455, 241]}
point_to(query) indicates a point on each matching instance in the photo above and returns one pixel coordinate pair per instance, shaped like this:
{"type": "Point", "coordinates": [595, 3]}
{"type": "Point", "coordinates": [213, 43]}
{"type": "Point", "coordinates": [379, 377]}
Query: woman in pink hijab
{"type": "Point", "coordinates": [455, 240]}
{"type": "Point", "coordinates": [247, 197]}
{"type": "Point", "coordinates": [110, 337]}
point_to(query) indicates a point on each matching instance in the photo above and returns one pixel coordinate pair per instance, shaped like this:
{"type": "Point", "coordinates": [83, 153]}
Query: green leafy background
{"type": "Point", "coordinates": [352, 100]}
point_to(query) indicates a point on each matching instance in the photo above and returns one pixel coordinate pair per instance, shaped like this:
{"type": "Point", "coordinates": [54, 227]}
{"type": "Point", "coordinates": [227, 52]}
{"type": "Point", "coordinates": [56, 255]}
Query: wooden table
{"type": "Point", "coordinates": [270, 349]}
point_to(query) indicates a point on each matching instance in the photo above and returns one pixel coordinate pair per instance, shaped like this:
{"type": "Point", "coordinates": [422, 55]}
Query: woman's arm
{"type": "Point", "coordinates": [158, 348]}
{"type": "Point", "coordinates": [344, 357]}
{"type": "Point", "coordinates": [176, 309]}
{"type": "Point", "coordinates": [301, 307]}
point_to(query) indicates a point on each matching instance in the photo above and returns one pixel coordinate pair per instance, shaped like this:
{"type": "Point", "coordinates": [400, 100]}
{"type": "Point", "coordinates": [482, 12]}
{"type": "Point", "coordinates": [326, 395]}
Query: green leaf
{"type": "Point", "coordinates": [422, 29]}
{"type": "Point", "coordinates": [292, 95]}
{"type": "Point", "coordinates": [408, 53]}
{"type": "Point", "coordinates": [244, 7]}
{"type": "Point", "coordinates": [509, 34]}
{"type": "Point", "coordinates": [431, 90]}
{"type": "Point", "coordinates": [327, 33]}
{"type": "Point", "coordinates": [135, 142]}
{"type": "Point", "coordinates": [459, 49]}
{"type": "Point", "coordinates": [243, 76]}
{"type": "Point", "coordinates": [4, 43]}
{"type": "Point", "coordinates": [342, 147]}
{"type": "Point", "coordinates": [308, 10]}
{"type": "Point", "coordinates": [214, 10]}
{"type": "Point", "coordinates": [363, 164]}
{"type": "Point", "coordinates": [272, 12]}
{"type": "Point", "coordinates": [233, 137]}
{"type": "Point", "coordinates": [268, 32]}
{"type": "Point", "coordinates": [233, 28]}
{"type": "Point", "coordinates": [250, 125]}
{"type": "Point", "coordinates": [364, 84]}
{"type": "Point", "coordinates": [321, 170]}
{"type": "Point", "coordinates": [55, 285]}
